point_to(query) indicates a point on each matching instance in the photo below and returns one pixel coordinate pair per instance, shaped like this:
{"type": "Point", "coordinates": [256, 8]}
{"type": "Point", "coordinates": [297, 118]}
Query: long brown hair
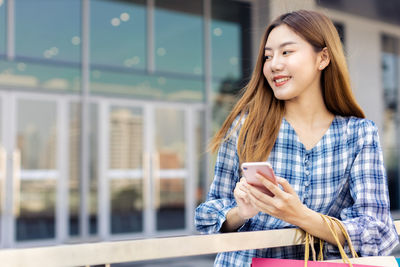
{"type": "Point", "coordinates": [265, 112]}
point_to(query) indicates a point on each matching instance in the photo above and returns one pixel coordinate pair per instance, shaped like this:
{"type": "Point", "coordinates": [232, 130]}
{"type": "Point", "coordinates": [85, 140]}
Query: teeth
{"type": "Point", "coordinates": [282, 80]}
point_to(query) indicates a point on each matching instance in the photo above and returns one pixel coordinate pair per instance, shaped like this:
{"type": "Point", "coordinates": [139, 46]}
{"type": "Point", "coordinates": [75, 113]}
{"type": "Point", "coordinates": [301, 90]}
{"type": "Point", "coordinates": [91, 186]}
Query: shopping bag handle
{"type": "Point", "coordinates": [330, 221]}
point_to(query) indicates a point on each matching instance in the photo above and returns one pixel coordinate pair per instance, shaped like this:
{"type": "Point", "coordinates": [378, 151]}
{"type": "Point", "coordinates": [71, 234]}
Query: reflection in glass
{"type": "Point", "coordinates": [74, 167]}
{"type": "Point", "coordinates": [179, 36]}
{"type": "Point", "coordinates": [55, 78]}
{"type": "Point", "coordinates": [230, 39]}
{"type": "Point", "coordinates": [201, 144]}
{"type": "Point", "coordinates": [387, 10]}
{"type": "Point", "coordinates": [2, 27]}
{"type": "Point", "coordinates": [341, 31]}
{"type": "Point", "coordinates": [145, 86]}
{"type": "Point", "coordinates": [37, 143]}
{"type": "Point", "coordinates": [2, 171]}
{"type": "Point", "coordinates": [93, 212]}
{"type": "Point", "coordinates": [126, 205]}
{"type": "Point", "coordinates": [118, 33]}
{"type": "Point", "coordinates": [231, 59]}
{"type": "Point", "coordinates": [170, 179]}
{"type": "Point", "coordinates": [126, 170]}
{"type": "Point", "coordinates": [225, 95]}
{"type": "Point", "coordinates": [36, 214]}
{"type": "Point", "coordinates": [48, 30]}
{"type": "Point", "coordinates": [390, 72]}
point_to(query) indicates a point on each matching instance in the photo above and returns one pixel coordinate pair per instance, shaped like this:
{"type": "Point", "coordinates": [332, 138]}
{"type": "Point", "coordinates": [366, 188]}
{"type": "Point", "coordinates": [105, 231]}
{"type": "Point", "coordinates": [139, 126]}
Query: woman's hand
{"type": "Point", "coordinates": [246, 210]}
{"type": "Point", "coordinates": [284, 205]}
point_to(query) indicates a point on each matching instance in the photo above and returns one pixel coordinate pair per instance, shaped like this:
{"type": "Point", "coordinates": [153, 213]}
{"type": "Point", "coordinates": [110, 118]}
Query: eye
{"type": "Point", "coordinates": [267, 57]}
{"type": "Point", "coordinates": [286, 52]}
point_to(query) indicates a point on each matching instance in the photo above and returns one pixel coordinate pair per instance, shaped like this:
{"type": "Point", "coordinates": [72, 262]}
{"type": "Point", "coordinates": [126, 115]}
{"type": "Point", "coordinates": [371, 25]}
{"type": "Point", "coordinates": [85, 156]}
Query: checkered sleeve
{"type": "Point", "coordinates": [211, 214]}
{"type": "Point", "coordinates": [368, 220]}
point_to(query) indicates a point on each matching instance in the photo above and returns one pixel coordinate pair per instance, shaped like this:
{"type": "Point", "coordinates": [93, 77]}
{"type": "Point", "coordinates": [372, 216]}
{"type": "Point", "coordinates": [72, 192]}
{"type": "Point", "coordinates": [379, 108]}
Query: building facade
{"type": "Point", "coordinates": [106, 107]}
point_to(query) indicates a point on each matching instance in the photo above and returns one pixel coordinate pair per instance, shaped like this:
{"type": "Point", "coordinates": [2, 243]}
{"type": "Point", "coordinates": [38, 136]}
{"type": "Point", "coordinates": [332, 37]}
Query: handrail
{"type": "Point", "coordinates": [150, 249]}
{"type": "Point", "coordinates": [147, 249]}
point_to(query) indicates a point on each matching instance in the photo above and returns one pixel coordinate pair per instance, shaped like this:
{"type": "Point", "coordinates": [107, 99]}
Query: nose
{"type": "Point", "coordinates": [276, 63]}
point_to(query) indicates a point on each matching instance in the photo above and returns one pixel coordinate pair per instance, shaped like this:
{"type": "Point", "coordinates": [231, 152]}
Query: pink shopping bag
{"type": "Point", "coordinates": [267, 262]}
{"type": "Point", "coordinates": [354, 262]}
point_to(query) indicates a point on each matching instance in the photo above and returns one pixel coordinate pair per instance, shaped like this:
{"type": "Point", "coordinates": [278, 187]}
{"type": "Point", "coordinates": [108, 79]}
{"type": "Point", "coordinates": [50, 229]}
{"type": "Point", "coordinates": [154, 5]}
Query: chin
{"type": "Point", "coordinates": [282, 97]}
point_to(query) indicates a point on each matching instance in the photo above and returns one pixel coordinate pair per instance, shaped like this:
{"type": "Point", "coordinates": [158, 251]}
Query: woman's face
{"type": "Point", "coordinates": [291, 66]}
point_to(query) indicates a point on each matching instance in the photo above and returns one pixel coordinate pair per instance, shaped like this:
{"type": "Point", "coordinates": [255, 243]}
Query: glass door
{"type": "Point", "coordinates": [35, 169]}
{"type": "Point", "coordinates": [31, 199]}
{"type": "Point", "coordinates": [125, 174]}
{"type": "Point", "coordinates": [147, 179]}
{"type": "Point", "coordinates": [170, 172]}
{"type": "Point", "coordinates": [2, 174]}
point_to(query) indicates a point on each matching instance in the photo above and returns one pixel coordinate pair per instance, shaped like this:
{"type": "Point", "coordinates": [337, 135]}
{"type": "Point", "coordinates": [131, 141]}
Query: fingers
{"type": "Point", "coordinates": [269, 184]}
{"type": "Point", "coordinates": [286, 186]}
{"type": "Point", "coordinates": [240, 192]}
{"type": "Point", "coordinates": [243, 181]}
{"type": "Point", "coordinates": [260, 200]}
{"type": "Point", "coordinates": [256, 194]}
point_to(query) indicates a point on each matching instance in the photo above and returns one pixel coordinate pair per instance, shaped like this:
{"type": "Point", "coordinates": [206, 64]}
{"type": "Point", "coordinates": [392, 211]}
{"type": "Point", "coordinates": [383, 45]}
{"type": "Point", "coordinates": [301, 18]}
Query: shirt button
{"type": "Point", "coordinates": [307, 183]}
{"type": "Point", "coordinates": [307, 172]}
{"type": "Point", "coordinates": [306, 161]}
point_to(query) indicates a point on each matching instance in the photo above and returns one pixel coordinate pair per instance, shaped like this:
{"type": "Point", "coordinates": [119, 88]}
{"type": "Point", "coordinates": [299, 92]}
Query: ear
{"type": "Point", "coordinates": [323, 58]}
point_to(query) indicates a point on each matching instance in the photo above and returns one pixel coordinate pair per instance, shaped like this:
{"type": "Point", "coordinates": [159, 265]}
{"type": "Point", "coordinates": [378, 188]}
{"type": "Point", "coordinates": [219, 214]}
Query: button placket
{"type": "Point", "coordinates": [307, 173]}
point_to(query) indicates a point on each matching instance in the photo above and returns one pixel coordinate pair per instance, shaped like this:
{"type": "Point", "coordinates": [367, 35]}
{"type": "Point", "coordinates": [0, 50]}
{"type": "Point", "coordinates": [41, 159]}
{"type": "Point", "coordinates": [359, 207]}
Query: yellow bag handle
{"type": "Point", "coordinates": [330, 221]}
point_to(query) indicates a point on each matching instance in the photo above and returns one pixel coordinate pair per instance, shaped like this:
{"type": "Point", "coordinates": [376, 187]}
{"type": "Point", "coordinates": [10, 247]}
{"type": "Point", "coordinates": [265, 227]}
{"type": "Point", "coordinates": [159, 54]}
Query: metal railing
{"type": "Point", "coordinates": [149, 249]}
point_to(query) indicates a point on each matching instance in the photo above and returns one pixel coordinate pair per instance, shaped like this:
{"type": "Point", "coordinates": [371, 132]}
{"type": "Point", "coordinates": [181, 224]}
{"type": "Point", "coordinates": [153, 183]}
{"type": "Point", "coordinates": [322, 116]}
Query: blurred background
{"type": "Point", "coordinates": [106, 107]}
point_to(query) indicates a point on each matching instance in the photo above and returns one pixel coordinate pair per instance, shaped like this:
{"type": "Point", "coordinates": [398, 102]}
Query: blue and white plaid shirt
{"type": "Point", "coordinates": [342, 176]}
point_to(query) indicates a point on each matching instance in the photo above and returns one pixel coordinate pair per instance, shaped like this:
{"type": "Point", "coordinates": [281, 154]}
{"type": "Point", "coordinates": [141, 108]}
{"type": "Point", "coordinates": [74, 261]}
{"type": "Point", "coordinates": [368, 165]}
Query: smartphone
{"type": "Point", "coordinates": [250, 169]}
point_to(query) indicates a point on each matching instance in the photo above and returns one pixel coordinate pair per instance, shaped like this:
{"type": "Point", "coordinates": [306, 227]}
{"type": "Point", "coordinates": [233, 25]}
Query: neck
{"type": "Point", "coordinates": [308, 110]}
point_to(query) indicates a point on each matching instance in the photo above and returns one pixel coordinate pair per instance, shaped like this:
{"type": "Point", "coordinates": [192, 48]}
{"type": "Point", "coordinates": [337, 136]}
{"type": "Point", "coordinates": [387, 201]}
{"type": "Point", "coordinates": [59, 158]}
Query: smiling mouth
{"type": "Point", "coordinates": [281, 81]}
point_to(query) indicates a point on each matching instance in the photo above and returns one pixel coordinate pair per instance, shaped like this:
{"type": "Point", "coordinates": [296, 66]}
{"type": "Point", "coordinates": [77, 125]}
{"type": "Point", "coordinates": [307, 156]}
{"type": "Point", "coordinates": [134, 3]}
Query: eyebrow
{"type": "Point", "coordinates": [281, 45]}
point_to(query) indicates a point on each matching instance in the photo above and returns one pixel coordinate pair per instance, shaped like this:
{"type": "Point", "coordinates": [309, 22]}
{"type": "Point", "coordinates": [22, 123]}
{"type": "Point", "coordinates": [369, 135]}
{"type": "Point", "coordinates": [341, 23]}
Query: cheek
{"type": "Point", "coordinates": [266, 71]}
{"type": "Point", "coordinates": [267, 74]}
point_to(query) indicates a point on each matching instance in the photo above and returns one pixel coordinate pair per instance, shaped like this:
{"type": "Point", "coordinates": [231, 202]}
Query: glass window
{"type": "Point", "coordinates": [32, 75]}
{"type": "Point", "coordinates": [224, 98]}
{"type": "Point", "coordinates": [3, 27]}
{"type": "Point", "coordinates": [48, 30]}
{"type": "Point", "coordinates": [387, 10]}
{"type": "Point", "coordinates": [231, 59]}
{"type": "Point", "coordinates": [93, 211]}
{"type": "Point", "coordinates": [47, 46]}
{"type": "Point", "coordinates": [170, 172]}
{"type": "Point", "coordinates": [146, 86]}
{"type": "Point", "coordinates": [118, 33]}
{"type": "Point", "coordinates": [230, 39]}
{"type": "Point", "coordinates": [179, 36]}
{"type": "Point", "coordinates": [125, 175]}
{"type": "Point", "coordinates": [2, 171]}
{"type": "Point", "coordinates": [35, 189]}
{"type": "Point", "coordinates": [118, 42]}
{"type": "Point", "coordinates": [390, 79]}
{"type": "Point", "coordinates": [74, 167]}
{"type": "Point", "coordinates": [341, 31]}
{"type": "Point", "coordinates": [201, 146]}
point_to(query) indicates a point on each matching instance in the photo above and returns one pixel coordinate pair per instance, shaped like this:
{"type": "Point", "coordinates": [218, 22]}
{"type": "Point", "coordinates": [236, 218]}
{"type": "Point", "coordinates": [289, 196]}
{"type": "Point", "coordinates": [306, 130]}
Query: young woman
{"type": "Point", "coordinates": [299, 114]}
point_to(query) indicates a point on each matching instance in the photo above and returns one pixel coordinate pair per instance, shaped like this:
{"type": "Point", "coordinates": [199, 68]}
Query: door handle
{"type": "Point", "coordinates": [16, 181]}
{"type": "Point", "coordinates": [157, 180]}
{"type": "Point", "coordinates": [3, 171]}
{"type": "Point", "coordinates": [146, 179]}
